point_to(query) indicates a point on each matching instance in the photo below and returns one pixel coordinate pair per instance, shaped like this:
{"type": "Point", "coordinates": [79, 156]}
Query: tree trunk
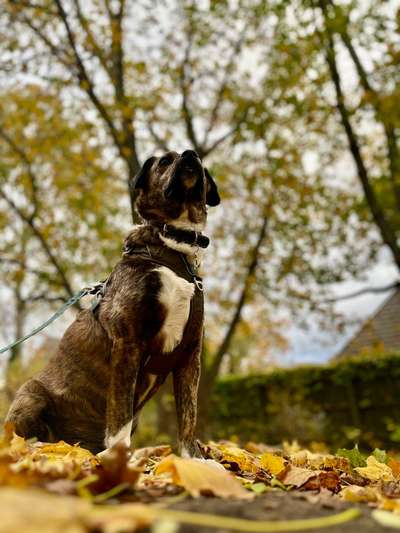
{"type": "Point", "coordinates": [387, 231]}
{"type": "Point", "coordinates": [210, 373]}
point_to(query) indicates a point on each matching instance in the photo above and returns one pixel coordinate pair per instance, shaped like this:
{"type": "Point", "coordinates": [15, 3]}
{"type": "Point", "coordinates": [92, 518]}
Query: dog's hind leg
{"type": "Point", "coordinates": [29, 412]}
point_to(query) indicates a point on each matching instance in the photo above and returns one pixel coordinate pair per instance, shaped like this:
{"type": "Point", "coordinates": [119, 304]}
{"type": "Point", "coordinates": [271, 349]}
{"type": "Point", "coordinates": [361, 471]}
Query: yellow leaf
{"type": "Point", "coordinates": [61, 451]}
{"type": "Point", "coordinates": [375, 471]}
{"type": "Point", "coordinates": [245, 461]}
{"type": "Point", "coordinates": [356, 494]}
{"type": "Point", "coordinates": [291, 447]}
{"type": "Point", "coordinates": [199, 477]}
{"type": "Point", "coordinates": [273, 463]}
{"type": "Point", "coordinates": [390, 504]}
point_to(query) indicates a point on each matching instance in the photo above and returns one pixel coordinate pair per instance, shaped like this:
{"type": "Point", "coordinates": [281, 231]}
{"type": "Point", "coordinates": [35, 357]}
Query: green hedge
{"type": "Point", "coordinates": [351, 400]}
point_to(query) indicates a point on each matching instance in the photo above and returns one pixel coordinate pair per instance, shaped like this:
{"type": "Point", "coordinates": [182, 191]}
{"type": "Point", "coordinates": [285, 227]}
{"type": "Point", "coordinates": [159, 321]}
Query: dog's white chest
{"type": "Point", "coordinates": [175, 295]}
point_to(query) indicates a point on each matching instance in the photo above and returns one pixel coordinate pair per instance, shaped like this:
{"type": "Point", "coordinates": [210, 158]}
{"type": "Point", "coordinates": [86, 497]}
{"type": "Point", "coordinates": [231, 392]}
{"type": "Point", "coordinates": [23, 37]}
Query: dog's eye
{"type": "Point", "coordinates": [165, 160]}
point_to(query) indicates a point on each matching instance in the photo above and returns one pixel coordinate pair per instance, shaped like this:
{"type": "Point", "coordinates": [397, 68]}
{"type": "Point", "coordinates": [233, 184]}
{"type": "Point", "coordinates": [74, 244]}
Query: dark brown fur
{"type": "Point", "coordinates": [94, 385]}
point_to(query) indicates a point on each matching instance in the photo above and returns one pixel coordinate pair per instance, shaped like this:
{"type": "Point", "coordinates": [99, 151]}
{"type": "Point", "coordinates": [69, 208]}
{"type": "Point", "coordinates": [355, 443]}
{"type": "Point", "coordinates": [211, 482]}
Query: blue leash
{"type": "Point", "coordinates": [96, 290]}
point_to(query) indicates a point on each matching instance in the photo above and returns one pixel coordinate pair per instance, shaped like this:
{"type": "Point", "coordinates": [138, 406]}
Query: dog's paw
{"type": "Point", "coordinates": [104, 455]}
{"type": "Point", "coordinates": [118, 453]}
{"type": "Point", "coordinates": [122, 435]}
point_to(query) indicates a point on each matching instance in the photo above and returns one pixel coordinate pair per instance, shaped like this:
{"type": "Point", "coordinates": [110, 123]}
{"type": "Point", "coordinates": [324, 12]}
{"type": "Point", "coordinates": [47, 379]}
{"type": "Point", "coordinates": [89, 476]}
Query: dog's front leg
{"type": "Point", "coordinates": [186, 384]}
{"type": "Point", "coordinates": [124, 369]}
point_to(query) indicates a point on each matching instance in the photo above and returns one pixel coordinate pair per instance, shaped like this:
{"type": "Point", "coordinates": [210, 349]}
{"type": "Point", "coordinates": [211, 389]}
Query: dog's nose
{"type": "Point", "coordinates": [189, 154]}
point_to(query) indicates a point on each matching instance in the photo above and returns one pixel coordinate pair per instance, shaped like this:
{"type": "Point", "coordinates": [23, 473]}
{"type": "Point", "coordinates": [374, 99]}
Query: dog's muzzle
{"type": "Point", "coordinates": [187, 171]}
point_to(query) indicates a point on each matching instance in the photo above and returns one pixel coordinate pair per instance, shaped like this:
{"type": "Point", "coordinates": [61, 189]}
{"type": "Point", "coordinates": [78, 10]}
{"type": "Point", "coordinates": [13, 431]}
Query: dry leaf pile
{"type": "Point", "coordinates": [155, 475]}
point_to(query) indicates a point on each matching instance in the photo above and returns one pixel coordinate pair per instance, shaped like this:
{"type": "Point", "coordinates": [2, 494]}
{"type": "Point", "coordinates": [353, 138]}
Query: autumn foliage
{"type": "Point", "coordinates": [84, 483]}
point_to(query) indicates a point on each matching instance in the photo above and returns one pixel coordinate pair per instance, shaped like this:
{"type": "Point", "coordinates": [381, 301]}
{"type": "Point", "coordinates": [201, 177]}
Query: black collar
{"type": "Point", "coordinates": [194, 238]}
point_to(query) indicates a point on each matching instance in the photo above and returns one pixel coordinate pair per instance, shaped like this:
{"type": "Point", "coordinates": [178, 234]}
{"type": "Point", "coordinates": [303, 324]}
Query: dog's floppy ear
{"type": "Point", "coordinates": [139, 181]}
{"type": "Point", "coordinates": [212, 196]}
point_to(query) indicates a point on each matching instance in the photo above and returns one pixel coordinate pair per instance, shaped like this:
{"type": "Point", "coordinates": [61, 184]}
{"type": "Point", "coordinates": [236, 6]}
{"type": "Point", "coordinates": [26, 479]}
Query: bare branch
{"type": "Point", "coordinates": [225, 136]}
{"type": "Point", "coordinates": [44, 297]}
{"type": "Point", "coordinates": [185, 83]}
{"type": "Point", "coordinates": [37, 7]}
{"type": "Point", "coordinates": [224, 83]}
{"type": "Point", "coordinates": [157, 139]}
{"type": "Point", "coordinates": [366, 290]}
{"type": "Point", "coordinates": [91, 40]}
{"type": "Point", "coordinates": [39, 235]}
{"type": "Point", "coordinates": [13, 261]}
{"type": "Point", "coordinates": [26, 162]}
{"type": "Point", "coordinates": [85, 80]}
{"type": "Point", "coordinates": [57, 52]}
{"type": "Point", "coordinates": [108, 8]}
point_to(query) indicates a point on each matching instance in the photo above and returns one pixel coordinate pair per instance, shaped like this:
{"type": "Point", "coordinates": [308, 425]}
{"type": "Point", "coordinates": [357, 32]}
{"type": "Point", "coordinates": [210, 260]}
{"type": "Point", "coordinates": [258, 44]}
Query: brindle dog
{"type": "Point", "coordinates": [93, 388]}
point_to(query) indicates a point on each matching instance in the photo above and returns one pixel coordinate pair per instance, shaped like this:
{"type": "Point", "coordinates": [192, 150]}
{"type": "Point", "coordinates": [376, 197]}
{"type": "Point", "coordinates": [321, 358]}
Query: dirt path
{"type": "Point", "coordinates": [278, 505]}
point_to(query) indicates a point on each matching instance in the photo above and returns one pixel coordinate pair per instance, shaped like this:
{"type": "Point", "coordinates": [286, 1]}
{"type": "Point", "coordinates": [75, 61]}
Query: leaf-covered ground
{"type": "Point", "coordinates": [58, 487]}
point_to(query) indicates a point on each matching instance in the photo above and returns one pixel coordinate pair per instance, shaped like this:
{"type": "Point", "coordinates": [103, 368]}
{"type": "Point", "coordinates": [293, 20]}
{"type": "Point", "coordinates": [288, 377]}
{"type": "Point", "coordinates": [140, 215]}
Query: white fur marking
{"type": "Point", "coordinates": [124, 435]}
{"type": "Point", "coordinates": [183, 222]}
{"type": "Point", "coordinates": [175, 295]}
{"type": "Point", "coordinates": [182, 247]}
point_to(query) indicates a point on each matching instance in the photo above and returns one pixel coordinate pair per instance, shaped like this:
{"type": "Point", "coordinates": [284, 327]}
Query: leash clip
{"type": "Point", "coordinates": [96, 288]}
{"type": "Point", "coordinates": [199, 283]}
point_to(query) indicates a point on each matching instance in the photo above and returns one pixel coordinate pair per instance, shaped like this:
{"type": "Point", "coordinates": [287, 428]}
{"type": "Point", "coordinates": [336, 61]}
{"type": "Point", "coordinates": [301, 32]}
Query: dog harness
{"type": "Point", "coordinates": [161, 255]}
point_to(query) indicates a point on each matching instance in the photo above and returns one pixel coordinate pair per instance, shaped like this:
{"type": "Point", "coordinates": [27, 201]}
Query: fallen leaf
{"type": "Point", "coordinates": [390, 489]}
{"type": "Point", "coordinates": [353, 478]}
{"type": "Point", "coordinates": [380, 455]}
{"type": "Point", "coordinates": [394, 466]}
{"type": "Point", "coordinates": [232, 457]}
{"type": "Point", "coordinates": [150, 452]}
{"type": "Point", "coordinates": [355, 457]}
{"type": "Point", "coordinates": [319, 461]}
{"type": "Point", "coordinates": [258, 488]}
{"type": "Point", "coordinates": [116, 472]}
{"type": "Point", "coordinates": [297, 476]}
{"type": "Point", "coordinates": [299, 458]}
{"type": "Point", "coordinates": [65, 452]}
{"type": "Point", "coordinates": [272, 463]}
{"type": "Point", "coordinates": [31, 511]}
{"type": "Point", "coordinates": [386, 519]}
{"type": "Point", "coordinates": [291, 447]}
{"type": "Point", "coordinates": [198, 477]}
{"type": "Point", "coordinates": [375, 471]}
{"type": "Point", "coordinates": [324, 480]}
{"type": "Point", "coordinates": [323, 497]}
{"type": "Point", "coordinates": [356, 494]}
{"type": "Point", "coordinates": [276, 483]}
{"type": "Point", "coordinates": [256, 448]}
{"type": "Point", "coordinates": [389, 504]}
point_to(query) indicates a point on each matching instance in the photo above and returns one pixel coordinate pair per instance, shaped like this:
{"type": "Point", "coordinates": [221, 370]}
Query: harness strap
{"type": "Point", "coordinates": [176, 261]}
{"type": "Point", "coordinates": [164, 363]}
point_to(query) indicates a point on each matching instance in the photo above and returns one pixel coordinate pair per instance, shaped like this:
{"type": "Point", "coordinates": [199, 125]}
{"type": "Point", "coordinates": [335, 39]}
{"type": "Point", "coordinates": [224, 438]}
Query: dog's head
{"type": "Point", "coordinates": [174, 185]}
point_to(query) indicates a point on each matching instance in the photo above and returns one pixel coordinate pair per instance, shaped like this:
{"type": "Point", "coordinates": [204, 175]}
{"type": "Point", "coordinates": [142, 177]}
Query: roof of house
{"type": "Point", "coordinates": [380, 333]}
